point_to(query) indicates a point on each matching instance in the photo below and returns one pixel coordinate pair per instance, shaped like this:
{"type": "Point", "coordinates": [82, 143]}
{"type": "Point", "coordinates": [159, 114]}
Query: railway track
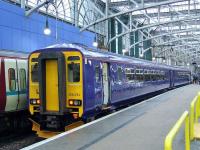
{"type": "Point", "coordinates": [18, 140]}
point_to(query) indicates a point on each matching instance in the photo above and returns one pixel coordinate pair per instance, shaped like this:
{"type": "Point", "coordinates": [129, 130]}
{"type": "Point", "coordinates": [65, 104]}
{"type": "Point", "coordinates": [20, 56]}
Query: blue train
{"type": "Point", "coordinates": [70, 82]}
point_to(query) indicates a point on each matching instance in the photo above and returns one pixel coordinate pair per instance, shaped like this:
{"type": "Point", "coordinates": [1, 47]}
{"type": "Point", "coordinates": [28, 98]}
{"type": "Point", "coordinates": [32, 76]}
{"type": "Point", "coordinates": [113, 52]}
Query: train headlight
{"type": "Point", "coordinates": [38, 101]}
{"type": "Point", "coordinates": [74, 102]}
{"type": "Point", "coordinates": [35, 101]}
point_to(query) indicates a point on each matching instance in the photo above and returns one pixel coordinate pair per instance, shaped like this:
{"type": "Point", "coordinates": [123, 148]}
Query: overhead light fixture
{"type": "Point", "coordinates": [164, 60]}
{"type": "Point", "coordinates": [141, 55]}
{"type": "Point", "coordinates": [188, 64]}
{"type": "Point", "coordinates": [124, 51]}
{"type": "Point", "coordinates": [95, 44]}
{"type": "Point", "coordinates": [47, 30]}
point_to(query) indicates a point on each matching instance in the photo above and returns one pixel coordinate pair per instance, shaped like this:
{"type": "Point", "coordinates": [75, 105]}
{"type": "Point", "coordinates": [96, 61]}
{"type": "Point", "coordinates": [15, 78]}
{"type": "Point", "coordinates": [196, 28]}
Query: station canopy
{"type": "Point", "coordinates": [173, 26]}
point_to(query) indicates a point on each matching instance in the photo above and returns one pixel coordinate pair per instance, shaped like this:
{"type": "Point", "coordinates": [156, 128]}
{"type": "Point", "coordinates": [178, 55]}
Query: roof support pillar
{"type": "Point", "coordinates": [107, 21]}
{"type": "Point", "coordinates": [22, 3]}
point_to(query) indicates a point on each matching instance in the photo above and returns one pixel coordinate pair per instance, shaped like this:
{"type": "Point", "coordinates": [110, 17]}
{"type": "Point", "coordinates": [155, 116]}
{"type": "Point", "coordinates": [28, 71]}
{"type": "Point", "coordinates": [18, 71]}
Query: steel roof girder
{"type": "Point", "coordinates": [169, 42]}
{"type": "Point", "coordinates": [164, 34]}
{"type": "Point", "coordinates": [129, 11]}
{"type": "Point", "coordinates": [29, 12]}
{"type": "Point", "coordinates": [152, 25]}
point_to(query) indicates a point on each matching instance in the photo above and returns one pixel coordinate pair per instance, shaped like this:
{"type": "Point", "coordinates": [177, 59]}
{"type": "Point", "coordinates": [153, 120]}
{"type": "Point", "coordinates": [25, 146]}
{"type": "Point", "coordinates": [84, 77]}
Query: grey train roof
{"type": "Point", "coordinates": [90, 52]}
{"type": "Point", "coordinates": [9, 53]}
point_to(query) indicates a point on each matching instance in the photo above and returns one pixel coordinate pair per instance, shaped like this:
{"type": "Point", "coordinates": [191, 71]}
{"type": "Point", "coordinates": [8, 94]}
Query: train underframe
{"type": "Point", "coordinates": [14, 121]}
{"type": "Point", "coordinates": [49, 125]}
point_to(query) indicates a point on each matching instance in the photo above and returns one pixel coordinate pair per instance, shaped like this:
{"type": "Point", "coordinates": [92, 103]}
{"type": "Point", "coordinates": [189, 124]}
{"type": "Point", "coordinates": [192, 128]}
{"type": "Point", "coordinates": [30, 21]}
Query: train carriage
{"type": "Point", "coordinates": [71, 82]}
{"type": "Point", "coordinates": [13, 97]}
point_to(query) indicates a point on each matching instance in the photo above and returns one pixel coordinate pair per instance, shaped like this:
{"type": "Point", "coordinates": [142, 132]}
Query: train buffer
{"type": "Point", "coordinates": [139, 127]}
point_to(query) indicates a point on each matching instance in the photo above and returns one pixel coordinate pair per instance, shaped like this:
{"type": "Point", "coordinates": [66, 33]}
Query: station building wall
{"type": "Point", "coordinates": [21, 33]}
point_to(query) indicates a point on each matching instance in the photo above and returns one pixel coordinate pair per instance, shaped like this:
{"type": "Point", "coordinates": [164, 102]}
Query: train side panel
{"type": "Point", "coordinates": [136, 80]}
{"type": "Point", "coordinates": [93, 88]}
{"type": "Point", "coordinates": [147, 79]}
{"type": "Point", "coordinates": [181, 77]}
{"type": "Point", "coordinates": [74, 83]}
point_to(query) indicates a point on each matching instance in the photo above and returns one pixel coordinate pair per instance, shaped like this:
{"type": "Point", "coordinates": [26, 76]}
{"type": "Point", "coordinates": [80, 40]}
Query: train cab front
{"type": "Point", "coordinates": [55, 89]}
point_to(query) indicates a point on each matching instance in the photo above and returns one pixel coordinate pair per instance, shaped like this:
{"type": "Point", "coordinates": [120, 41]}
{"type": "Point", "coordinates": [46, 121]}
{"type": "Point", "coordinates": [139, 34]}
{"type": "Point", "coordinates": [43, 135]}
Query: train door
{"type": "Point", "coordinates": [52, 83]}
{"type": "Point", "coordinates": [22, 78]}
{"type": "Point", "coordinates": [105, 84]}
{"type": "Point", "coordinates": [52, 98]}
{"type": "Point", "coordinates": [11, 77]}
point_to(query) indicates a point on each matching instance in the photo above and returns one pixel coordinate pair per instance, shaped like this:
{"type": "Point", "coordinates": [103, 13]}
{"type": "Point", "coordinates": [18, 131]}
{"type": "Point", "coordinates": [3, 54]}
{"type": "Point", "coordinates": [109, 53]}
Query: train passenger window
{"type": "Point", "coordinates": [153, 76]}
{"type": "Point", "coordinates": [145, 71]}
{"type": "Point", "coordinates": [147, 76]}
{"type": "Point", "coordinates": [137, 71]}
{"type": "Point", "coordinates": [127, 70]}
{"type": "Point", "coordinates": [22, 77]}
{"type": "Point", "coordinates": [73, 58]}
{"type": "Point", "coordinates": [12, 79]}
{"type": "Point", "coordinates": [97, 73]}
{"type": "Point", "coordinates": [74, 72]}
{"type": "Point", "coordinates": [139, 76]}
{"type": "Point", "coordinates": [163, 75]}
{"type": "Point", "coordinates": [129, 73]}
{"type": "Point", "coordinates": [34, 72]}
{"type": "Point", "coordinates": [132, 71]}
{"type": "Point", "coordinates": [158, 77]}
{"type": "Point", "coordinates": [119, 74]}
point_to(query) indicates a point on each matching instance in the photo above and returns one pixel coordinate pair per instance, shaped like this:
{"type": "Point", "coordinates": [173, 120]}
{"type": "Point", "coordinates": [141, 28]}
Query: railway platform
{"type": "Point", "coordinates": [143, 126]}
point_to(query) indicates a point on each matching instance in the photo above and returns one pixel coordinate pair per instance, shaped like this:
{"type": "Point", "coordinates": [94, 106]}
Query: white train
{"type": "Point", "coordinates": [13, 89]}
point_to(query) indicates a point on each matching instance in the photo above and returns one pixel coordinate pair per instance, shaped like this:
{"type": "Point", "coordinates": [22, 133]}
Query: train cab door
{"type": "Point", "coordinates": [11, 77]}
{"type": "Point", "coordinates": [105, 84]}
{"type": "Point", "coordinates": [22, 81]}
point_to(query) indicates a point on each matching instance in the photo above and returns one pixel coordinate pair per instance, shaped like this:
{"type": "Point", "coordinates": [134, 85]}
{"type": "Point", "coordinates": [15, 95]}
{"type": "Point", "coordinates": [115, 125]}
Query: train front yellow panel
{"type": "Point", "coordinates": [52, 98]}
{"type": "Point", "coordinates": [33, 86]}
{"type": "Point", "coordinates": [74, 89]}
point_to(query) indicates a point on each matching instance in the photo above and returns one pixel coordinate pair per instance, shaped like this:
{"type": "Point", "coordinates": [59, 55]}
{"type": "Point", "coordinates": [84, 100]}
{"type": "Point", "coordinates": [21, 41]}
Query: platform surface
{"type": "Point", "coordinates": [140, 127]}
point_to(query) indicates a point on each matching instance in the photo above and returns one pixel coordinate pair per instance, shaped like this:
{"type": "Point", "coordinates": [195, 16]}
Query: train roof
{"type": "Point", "coordinates": [98, 53]}
{"type": "Point", "coordinates": [13, 54]}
